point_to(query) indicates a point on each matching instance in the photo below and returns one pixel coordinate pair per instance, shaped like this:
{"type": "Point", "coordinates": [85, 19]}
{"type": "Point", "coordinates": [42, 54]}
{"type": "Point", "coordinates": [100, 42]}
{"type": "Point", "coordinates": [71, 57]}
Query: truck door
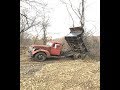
{"type": "Point", "coordinates": [56, 49]}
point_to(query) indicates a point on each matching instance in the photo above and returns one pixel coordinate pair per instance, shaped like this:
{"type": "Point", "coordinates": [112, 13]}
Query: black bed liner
{"type": "Point", "coordinates": [75, 40]}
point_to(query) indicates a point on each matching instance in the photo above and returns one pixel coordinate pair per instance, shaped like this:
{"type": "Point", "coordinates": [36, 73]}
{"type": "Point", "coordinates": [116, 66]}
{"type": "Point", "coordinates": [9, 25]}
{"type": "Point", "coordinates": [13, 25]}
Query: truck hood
{"type": "Point", "coordinates": [45, 47]}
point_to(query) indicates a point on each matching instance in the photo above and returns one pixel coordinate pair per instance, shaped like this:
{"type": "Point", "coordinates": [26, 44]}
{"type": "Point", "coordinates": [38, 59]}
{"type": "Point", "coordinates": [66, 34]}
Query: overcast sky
{"type": "Point", "coordinates": [61, 21]}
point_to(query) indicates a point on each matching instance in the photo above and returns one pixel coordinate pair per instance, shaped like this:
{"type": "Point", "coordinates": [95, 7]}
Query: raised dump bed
{"type": "Point", "coordinates": [75, 41]}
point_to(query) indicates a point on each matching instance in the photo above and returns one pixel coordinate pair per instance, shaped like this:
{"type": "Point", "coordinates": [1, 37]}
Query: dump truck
{"type": "Point", "coordinates": [54, 49]}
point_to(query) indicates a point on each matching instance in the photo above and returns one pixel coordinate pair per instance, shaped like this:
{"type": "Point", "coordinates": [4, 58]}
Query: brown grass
{"type": "Point", "coordinates": [68, 75]}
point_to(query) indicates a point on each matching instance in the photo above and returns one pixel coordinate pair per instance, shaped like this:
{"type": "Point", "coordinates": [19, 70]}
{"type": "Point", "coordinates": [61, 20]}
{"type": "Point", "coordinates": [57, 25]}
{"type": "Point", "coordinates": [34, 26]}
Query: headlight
{"type": "Point", "coordinates": [31, 48]}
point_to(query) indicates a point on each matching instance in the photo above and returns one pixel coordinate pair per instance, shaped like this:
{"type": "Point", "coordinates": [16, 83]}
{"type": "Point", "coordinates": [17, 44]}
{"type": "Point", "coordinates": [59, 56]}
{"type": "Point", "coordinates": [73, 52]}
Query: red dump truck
{"type": "Point", "coordinates": [54, 49]}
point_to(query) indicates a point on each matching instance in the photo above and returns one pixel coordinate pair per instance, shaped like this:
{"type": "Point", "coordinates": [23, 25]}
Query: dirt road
{"type": "Point", "coordinates": [28, 67]}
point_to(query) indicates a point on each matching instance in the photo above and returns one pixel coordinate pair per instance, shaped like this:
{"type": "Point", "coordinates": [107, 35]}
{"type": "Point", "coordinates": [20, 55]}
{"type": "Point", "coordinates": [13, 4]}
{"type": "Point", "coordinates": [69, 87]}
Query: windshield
{"type": "Point", "coordinates": [49, 44]}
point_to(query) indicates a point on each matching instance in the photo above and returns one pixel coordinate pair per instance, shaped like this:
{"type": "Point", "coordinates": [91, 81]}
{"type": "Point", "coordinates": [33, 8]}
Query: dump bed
{"type": "Point", "coordinates": [75, 41]}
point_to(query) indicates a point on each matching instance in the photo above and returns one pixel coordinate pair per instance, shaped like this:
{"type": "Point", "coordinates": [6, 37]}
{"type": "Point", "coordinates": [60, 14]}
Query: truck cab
{"type": "Point", "coordinates": [55, 48]}
{"type": "Point", "coordinates": [41, 52]}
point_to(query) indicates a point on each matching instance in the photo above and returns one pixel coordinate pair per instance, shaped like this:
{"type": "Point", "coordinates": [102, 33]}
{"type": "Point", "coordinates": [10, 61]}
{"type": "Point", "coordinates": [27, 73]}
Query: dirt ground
{"type": "Point", "coordinates": [59, 74]}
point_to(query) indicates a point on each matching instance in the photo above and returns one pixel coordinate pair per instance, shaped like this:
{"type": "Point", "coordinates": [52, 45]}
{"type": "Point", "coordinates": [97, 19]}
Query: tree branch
{"type": "Point", "coordinates": [74, 10]}
{"type": "Point", "coordinates": [32, 25]}
{"type": "Point", "coordinates": [68, 11]}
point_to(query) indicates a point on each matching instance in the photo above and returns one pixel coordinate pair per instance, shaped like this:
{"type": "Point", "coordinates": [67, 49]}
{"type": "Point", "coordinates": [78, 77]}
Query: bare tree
{"type": "Point", "coordinates": [45, 22]}
{"type": "Point", "coordinates": [26, 21]}
{"type": "Point", "coordinates": [38, 32]}
{"type": "Point", "coordinates": [79, 11]}
{"type": "Point", "coordinates": [40, 19]}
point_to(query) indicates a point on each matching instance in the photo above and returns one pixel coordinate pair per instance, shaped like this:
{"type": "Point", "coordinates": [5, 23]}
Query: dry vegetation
{"type": "Point", "coordinates": [62, 74]}
{"type": "Point", "coordinates": [55, 74]}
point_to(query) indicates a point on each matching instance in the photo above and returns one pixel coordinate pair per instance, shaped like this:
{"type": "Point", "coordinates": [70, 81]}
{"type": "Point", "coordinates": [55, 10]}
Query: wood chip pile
{"type": "Point", "coordinates": [72, 75]}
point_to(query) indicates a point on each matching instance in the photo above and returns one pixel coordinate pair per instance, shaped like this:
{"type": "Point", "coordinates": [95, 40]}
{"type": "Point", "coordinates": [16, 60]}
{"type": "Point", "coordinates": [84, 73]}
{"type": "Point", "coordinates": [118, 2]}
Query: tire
{"type": "Point", "coordinates": [40, 56]}
{"type": "Point", "coordinates": [83, 56]}
{"type": "Point", "coordinates": [76, 56]}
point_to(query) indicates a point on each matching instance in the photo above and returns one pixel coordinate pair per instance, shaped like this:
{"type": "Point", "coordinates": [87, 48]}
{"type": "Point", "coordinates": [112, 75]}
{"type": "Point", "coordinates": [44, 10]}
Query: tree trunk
{"type": "Point", "coordinates": [44, 36]}
{"type": "Point", "coordinates": [82, 17]}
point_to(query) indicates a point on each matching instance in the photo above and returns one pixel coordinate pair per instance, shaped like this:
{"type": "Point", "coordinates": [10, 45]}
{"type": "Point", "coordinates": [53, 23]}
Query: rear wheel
{"type": "Point", "coordinates": [76, 56]}
{"type": "Point", "coordinates": [83, 56]}
{"type": "Point", "coordinates": [40, 56]}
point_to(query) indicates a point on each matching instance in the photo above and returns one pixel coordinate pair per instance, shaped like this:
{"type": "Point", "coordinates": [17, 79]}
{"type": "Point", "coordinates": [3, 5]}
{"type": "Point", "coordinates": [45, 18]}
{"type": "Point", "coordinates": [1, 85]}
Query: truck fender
{"type": "Point", "coordinates": [44, 51]}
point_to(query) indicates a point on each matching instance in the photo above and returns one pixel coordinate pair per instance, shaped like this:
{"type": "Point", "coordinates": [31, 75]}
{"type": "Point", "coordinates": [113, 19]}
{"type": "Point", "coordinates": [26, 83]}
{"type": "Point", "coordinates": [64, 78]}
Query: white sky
{"type": "Point", "coordinates": [61, 21]}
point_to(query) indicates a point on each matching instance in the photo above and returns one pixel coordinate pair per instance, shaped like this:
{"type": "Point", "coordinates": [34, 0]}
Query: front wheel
{"type": "Point", "coordinates": [40, 56]}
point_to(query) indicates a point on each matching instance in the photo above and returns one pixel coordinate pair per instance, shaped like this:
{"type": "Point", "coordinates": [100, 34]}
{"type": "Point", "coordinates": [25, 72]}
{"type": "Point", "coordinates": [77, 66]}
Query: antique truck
{"type": "Point", "coordinates": [54, 49]}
